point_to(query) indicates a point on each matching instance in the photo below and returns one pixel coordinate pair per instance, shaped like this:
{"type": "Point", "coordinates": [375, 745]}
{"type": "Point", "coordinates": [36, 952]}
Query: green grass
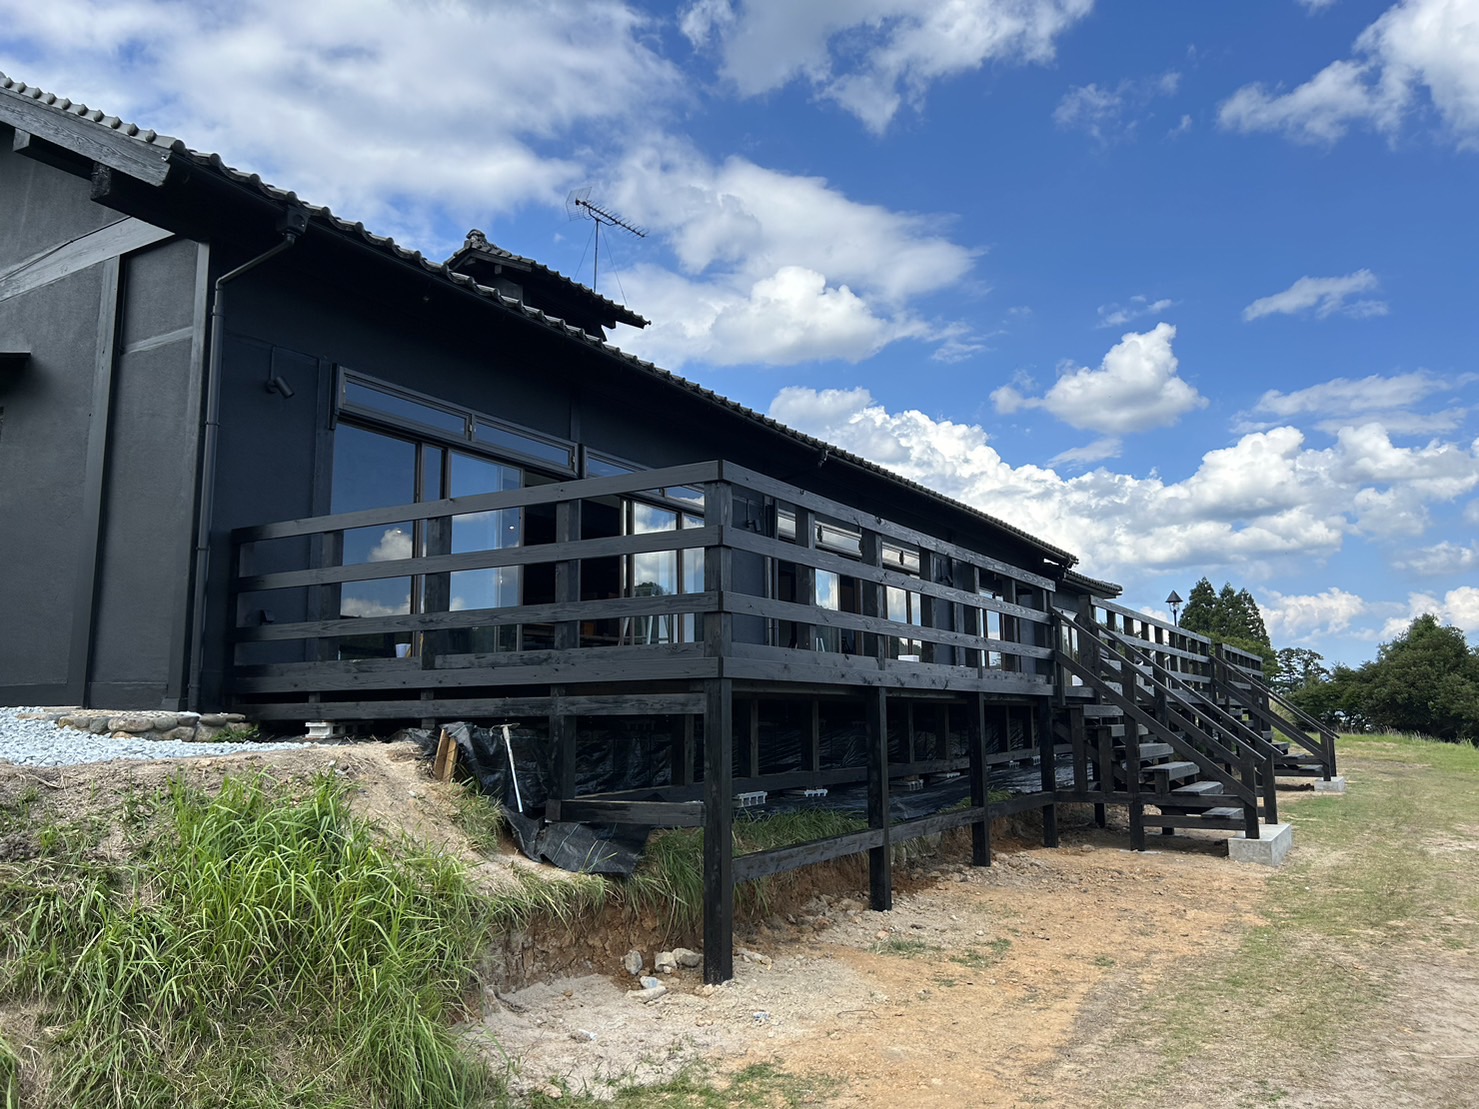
{"type": "Point", "coordinates": [758, 1086]}
{"type": "Point", "coordinates": [260, 949]}
{"type": "Point", "coordinates": [263, 947]}
{"type": "Point", "coordinates": [1374, 884]}
{"type": "Point", "coordinates": [669, 881]}
{"type": "Point", "coordinates": [904, 947]}
{"type": "Point", "coordinates": [974, 958]}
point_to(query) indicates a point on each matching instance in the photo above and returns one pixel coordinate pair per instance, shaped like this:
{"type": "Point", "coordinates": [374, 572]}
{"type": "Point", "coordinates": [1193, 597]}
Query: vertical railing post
{"type": "Point", "coordinates": [718, 830]}
{"type": "Point", "coordinates": [980, 772]}
{"type": "Point", "coordinates": [880, 858]}
{"type": "Point", "coordinates": [1049, 766]}
{"type": "Point", "coordinates": [874, 644]}
{"type": "Point", "coordinates": [806, 574]}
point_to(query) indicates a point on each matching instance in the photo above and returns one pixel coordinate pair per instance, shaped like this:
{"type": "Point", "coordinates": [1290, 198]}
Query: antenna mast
{"type": "Point", "coordinates": [580, 206]}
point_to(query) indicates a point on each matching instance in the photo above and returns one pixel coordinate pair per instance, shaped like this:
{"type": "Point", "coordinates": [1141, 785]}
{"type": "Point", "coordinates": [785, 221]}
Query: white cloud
{"type": "Point", "coordinates": [872, 57]}
{"type": "Point", "coordinates": [1311, 616]}
{"type": "Point", "coordinates": [1097, 451]}
{"type": "Point", "coordinates": [776, 268]}
{"type": "Point", "coordinates": [394, 113]}
{"type": "Point", "coordinates": [1117, 315]}
{"type": "Point", "coordinates": [1325, 295]}
{"type": "Point", "coordinates": [1415, 44]}
{"type": "Point", "coordinates": [1135, 388]}
{"type": "Point", "coordinates": [1317, 5]}
{"type": "Point", "coordinates": [1446, 557]}
{"type": "Point", "coordinates": [1459, 607]}
{"type": "Point", "coordinates": [394, 543]}
{"type": "Point", "coordinates": [325, 99]}
{"type": "Point", "coordinates": [1390, 401]}
{"type": "Point", "coordinates": [1267, 497]}
{"type": "Point", "coordinates": [1107, 115]}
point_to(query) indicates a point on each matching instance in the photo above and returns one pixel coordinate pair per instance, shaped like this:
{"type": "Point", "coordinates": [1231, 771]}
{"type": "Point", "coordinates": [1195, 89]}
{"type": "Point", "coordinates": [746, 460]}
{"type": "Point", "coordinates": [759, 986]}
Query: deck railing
{"type": "Point", "coordinates": [778, 584]}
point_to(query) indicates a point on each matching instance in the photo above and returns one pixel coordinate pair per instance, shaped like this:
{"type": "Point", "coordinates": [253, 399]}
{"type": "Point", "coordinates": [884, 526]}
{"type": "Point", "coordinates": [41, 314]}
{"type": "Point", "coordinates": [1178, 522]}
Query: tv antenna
{"type": "Point", "coordinates": [580, 206]}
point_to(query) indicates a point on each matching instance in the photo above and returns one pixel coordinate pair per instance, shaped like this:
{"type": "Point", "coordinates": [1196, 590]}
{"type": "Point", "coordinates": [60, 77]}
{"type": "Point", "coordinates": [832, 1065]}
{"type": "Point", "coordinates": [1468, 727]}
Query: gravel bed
{"type": "Point", "coordinates": [42, 743]}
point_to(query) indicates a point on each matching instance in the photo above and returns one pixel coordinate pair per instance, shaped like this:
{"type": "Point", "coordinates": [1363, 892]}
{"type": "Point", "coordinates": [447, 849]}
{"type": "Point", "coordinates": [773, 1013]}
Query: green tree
{"type": "Point", "coordinates": [1300, 668]}
{"type": "Point", "coordinates": [1230, 616]}
{"type": "Point", "coordinates": [1201, 609]}
{"type": "Point", "coordinates": [1426, 681]}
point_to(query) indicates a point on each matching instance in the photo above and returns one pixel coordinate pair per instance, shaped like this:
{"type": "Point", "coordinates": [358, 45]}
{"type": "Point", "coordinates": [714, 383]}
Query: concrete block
{"type": "Point", "coordinates": [1269, 849]}
{"type": "Point", "coordinates": [1334, 785]}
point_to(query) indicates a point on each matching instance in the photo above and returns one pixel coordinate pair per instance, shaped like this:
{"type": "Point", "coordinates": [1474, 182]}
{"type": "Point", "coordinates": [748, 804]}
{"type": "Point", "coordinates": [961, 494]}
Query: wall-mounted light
{"type": "Point", "coordinates": [276, 384]}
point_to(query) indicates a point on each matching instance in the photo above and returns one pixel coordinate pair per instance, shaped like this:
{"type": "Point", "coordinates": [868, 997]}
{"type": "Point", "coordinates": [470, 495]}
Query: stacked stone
{"type": "Point", "coordinates": [188, 727]}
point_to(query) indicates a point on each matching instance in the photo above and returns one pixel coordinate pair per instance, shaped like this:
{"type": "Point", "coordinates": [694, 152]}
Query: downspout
{"type": "Point", "coordinates": [292, 224]}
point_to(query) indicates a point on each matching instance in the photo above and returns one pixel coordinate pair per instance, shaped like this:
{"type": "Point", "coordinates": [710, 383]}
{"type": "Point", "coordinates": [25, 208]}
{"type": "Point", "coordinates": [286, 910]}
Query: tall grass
{"type": "Point", "coordinates": [669, 881]}
{"type": "Point", "coordinates": [258, 950]}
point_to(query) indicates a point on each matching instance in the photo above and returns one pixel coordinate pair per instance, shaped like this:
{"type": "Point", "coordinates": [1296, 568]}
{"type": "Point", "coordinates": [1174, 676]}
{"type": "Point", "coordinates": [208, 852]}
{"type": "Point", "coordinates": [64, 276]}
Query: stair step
{"type": "Point", "coordinates": [1227, 812]}
{"type": "Point", "coordinates": [1199, 788]}
{"type": "Point", "coordinates": [1174, 771]}
{"type": "Point", "coordinates": [1151, 751]}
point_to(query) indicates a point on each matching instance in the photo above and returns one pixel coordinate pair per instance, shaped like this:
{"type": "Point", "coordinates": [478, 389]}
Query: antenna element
{"type": "Point", "coordinates": [580, 206]}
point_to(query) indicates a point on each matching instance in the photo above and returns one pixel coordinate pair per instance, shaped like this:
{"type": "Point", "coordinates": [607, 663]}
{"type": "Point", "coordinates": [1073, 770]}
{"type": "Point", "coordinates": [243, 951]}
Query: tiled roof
{"type": "Point", "coordinates": [478, 242]}
{"type": "Point", "coordinates": [388, 247]}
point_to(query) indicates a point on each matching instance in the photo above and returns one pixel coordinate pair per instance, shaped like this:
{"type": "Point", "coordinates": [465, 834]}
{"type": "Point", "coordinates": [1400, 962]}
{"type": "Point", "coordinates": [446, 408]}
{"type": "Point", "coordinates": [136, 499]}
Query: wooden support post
{"type": "Point", "coordinates": [562, 737]}
{"type": "Point", "coordinates": [942, 731]}
{"type": "Point", "coordinates": [880, 858]}
{"type": "Point", "coordinates": [752, 738]}
{"type": "Point", "coordinates": [1045, 747]}
{"type": "Point", "coordinates": [1078, 738]}
{"type": "Point", "coordinates": [567, 573]}
{"type": "Point", "coordinates": [811, 738]}
{"type": "Point", "coordinates": [873, 598]}
{"type": "Point", "coordinates": [719, 831]}
{"type": "Point", "coordinates": [683, 754]}
{"type": "Point", "coordinates": [909, 752]}
{"type": "Point", "coordinates": [980, 781]}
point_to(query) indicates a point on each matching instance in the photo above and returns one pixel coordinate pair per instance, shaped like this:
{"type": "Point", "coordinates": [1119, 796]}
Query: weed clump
{"type": "Point", "coordinates": [258, 949]}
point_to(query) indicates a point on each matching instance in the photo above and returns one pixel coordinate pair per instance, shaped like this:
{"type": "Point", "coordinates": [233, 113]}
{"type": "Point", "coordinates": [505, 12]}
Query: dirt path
{"type": "Point", "coordinates": [970, 992]}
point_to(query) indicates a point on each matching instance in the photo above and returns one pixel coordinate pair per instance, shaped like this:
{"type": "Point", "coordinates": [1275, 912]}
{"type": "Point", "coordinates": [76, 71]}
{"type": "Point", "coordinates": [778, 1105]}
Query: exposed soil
{"type": "Point", "coordinates": [1009, 986]}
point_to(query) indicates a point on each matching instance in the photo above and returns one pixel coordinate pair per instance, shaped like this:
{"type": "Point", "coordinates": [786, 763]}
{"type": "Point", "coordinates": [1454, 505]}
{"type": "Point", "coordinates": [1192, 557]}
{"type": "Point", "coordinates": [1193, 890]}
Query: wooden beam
{"type": "Point", "coordinates": [656, 814]}
{"type": "Point", "coordinates": [718, 831]}
{"type": "Point", "coordinates": [89, 141]}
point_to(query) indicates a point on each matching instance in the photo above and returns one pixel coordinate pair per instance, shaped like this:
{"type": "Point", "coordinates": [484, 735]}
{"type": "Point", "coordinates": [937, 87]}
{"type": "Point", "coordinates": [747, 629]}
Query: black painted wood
{"type": "Point", "coordinates": [880, 858]}
{"type": "Point", "coordinates": [718, 831]}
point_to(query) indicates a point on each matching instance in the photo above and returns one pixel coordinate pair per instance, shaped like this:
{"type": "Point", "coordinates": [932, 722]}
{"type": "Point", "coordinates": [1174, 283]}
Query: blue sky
{"type": "Point", "coordinates": [1185, 288]}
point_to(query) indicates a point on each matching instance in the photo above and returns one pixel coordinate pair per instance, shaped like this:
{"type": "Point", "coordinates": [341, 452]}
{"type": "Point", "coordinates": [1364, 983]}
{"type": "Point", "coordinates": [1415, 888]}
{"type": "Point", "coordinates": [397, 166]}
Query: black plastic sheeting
{"type": "Point", "coordinates": [616, 759]}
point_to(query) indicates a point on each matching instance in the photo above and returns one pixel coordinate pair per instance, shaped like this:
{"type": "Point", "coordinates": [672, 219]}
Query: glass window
{"type": "Point", "coordinates": [371, 470]}
{"type": "Point", "coordinates": [385, 403]}
{"type": "Point", "coordinates": [507, 439]}
{"type": "Point", "coordinates": [601, 467]}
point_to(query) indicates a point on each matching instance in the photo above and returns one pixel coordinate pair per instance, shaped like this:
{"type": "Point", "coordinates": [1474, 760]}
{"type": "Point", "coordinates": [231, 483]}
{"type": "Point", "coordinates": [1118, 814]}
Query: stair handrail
{"type": "Point", "coordinates": [1245, 791]}
{"type": "Point", "coordinates": [1267, 753]}
{"type": "Point", "coordinates": [1324, 747]}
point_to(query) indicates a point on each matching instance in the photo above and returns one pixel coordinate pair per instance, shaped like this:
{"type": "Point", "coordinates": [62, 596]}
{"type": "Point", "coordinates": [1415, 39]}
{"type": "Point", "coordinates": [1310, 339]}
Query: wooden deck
{"type": "Point", "coordinates": [933, 657]}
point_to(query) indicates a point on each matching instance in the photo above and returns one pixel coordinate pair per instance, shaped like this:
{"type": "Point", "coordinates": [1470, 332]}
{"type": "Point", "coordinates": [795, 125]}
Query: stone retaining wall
{"type": "Point", "coordinates": [190, 727]}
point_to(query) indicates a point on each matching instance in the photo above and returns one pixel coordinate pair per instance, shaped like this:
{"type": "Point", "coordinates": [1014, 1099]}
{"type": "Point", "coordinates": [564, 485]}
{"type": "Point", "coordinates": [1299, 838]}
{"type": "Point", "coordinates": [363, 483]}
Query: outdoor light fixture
{"type": "Point", "coordinates": [277, 384]}
{"type": "Point", "coordinates": [1175, 602]}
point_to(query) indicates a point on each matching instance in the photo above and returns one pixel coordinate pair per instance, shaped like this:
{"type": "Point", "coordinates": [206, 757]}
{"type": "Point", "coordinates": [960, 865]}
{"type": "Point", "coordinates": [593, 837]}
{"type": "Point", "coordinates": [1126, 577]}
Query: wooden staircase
{"type": "Point", "coordinates": [1178, 749]}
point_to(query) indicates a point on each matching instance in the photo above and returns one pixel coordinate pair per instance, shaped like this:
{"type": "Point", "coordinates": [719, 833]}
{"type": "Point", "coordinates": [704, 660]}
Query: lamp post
{"type": "Point", "coordinates": [1175, 602]}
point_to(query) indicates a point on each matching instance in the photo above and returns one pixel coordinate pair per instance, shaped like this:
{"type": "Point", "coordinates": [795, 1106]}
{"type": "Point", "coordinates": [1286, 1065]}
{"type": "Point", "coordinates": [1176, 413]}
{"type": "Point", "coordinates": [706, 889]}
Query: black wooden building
{"type": "Point", "coordinates": [254, 456]}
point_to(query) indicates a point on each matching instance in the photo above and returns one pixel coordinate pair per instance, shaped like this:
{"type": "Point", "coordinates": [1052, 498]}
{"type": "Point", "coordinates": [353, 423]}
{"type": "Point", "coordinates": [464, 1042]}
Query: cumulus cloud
{"type": "Point", "coordinates": [1416, 45]}
{"type": "Point", "coordinates": [776, 268]}
{"type": "Point", "coordinates": [1299, 618]}
{"type": "Point", "coordinates": [872, 57]}
{"type": "Point", "coordinates": [394, 543]}
{"type": "Point", "coordinates": [1135, 388]}
{"type": "Point", "coordinates": [1459, 607]}
{"type": "Point", "coordinates": [1269, 496]}
{"type": "Point", "coordinates": [1109, 114]}
{"type": "Point", "coordinates": [323, 99]}
{"type": "Point", "coordinates": [1117, 315]}
{"type": "Point", "coordinates": [1325, 296]}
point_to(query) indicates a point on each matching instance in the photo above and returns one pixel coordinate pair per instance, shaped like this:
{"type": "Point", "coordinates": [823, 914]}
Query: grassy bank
{"type": "Point", "coordinates": [260, 945]}
{"type": "Point", "coordinates": [1374, 880]}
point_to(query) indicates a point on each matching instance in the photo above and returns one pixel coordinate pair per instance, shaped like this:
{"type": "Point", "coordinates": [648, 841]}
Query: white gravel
{"type": "Point", "coordinates": [40, 742]}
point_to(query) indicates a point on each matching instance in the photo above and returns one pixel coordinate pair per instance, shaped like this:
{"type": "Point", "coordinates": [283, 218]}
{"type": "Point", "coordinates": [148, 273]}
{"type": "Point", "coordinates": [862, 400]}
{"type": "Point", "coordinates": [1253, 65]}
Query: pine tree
{"type": "Point", "coordinates": [1201, 609]}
